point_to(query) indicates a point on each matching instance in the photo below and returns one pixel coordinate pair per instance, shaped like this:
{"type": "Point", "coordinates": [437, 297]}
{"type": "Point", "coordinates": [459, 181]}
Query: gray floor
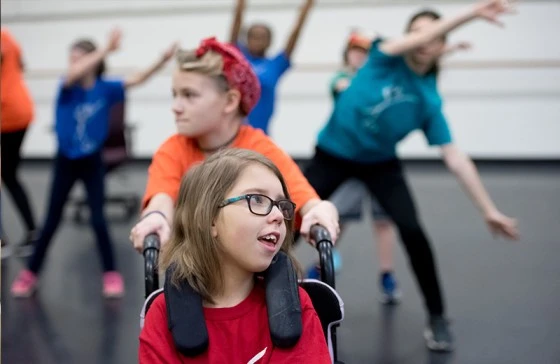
{"type": "Point", "coordinates": [503, 297]}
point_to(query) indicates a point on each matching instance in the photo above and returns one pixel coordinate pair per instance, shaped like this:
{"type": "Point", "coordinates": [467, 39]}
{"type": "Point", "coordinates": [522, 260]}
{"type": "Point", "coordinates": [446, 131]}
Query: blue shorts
{"type": "Point", "coordinates": [348, 199]}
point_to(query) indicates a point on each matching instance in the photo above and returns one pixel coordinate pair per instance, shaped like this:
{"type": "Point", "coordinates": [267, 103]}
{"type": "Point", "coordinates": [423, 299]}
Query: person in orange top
{"type": "Point", "coordinates": [16, 113]}
{"type": "Point", "coordinates": [214, 89]}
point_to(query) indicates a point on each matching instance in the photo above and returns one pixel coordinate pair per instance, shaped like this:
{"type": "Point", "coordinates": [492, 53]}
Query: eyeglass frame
{"type": "Point", "coordinates": [248, 197]}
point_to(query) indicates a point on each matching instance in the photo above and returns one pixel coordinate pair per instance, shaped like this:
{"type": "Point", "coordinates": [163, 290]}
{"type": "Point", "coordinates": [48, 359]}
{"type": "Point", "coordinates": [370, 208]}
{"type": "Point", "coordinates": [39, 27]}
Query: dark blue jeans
{"type": "Point", "coordinates": [67, 171]}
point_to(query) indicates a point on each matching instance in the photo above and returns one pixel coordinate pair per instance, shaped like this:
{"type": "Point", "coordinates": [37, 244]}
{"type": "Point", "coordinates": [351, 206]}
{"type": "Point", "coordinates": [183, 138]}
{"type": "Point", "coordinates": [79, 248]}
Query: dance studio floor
{"type": "Point", "coordinates": [503, 297]}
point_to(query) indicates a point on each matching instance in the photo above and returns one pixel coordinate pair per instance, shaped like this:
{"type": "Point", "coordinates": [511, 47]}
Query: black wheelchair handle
{"type": "Point", "coordinates": [151, 253]}
{"type": "Point", "coordinates": [324, 245]}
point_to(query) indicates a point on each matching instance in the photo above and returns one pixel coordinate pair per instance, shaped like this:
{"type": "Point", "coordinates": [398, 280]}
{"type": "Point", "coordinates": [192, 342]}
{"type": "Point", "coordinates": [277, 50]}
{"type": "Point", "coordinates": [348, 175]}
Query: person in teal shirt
{"type": "Point", "coordinates": [393, 94]}
{"type": "Point", "coordinates": [349, 197]}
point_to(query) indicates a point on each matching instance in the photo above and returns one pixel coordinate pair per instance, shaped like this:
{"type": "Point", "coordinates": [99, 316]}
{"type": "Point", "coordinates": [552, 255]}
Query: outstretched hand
{"type": "Point", "coordinates": [170, 51]}
{"type": "Point", "coordinates": [114, 40]}
{"type": "Point", "coordinates": [502, 225]}
{"type": "Point", "coordinates": [490, 10]}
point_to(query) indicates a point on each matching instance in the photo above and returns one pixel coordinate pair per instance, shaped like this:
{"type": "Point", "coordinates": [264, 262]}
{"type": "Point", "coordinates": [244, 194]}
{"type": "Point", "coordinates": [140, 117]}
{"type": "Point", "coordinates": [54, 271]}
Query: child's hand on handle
{"type": "Point", "coordinates": [153, 222]}
{"type": "Point", "coordinates": [323, 213]}
{"type": "Point", "coordinates": [114, 40]}
{"type": "Point", "coordinates": [502, 225]}
{"type": "Point", "coordinates": [490, 10]}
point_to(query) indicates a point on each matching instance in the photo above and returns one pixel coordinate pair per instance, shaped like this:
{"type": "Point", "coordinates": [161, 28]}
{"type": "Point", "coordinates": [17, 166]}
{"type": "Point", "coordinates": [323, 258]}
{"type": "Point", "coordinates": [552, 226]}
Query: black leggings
{"type": "Point", "coordinates": [386, 181]}
{"type": "Point", "coordinates": [11, 146]}
{"type": "Point", "coordinates": [90, 170]}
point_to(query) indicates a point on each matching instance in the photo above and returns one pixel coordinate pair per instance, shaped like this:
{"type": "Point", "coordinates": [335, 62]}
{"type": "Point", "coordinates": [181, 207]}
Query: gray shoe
{"type": "Point", "coordinates": [437, 334]}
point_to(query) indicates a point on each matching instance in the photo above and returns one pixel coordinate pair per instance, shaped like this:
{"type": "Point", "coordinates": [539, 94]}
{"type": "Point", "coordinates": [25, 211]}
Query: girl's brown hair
{"type": "Point", "coordinates": [434, 70]}
{"type": "Point", "coordinates": [192, 251]}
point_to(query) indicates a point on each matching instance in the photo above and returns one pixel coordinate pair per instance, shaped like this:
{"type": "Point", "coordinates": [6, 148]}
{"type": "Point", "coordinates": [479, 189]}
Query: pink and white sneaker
{"type": "Point", "coordinates": [113, 285]}
{"type": "Point", "coordinates": [25, 284]}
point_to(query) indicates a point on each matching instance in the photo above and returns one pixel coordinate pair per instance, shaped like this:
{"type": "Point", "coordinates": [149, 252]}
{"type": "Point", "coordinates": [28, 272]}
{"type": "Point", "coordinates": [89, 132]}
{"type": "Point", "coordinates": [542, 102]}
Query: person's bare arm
{"type": "Point", "coordinates": [237, 22]}
{"type": "Point", "coordinates": [89, 61]}
{"type": "Point", "coordinates": [467, 174]}
{"type": "Point", "coordinates": [156, 218]}
{"type": "Point", "coordinates": [296, 32]}
{"type": "Point", "coordinates": [487, 9]}
{"type": "Point", "coordinates": [142, 76]}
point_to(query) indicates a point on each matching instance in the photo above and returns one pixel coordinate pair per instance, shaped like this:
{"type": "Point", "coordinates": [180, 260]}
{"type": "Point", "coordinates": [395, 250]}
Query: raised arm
{"type": "Point", "coordinates": [237, 22]}
{"type": "Point", "coordinates": [294, 36]}
{"type": "Point", "coordinates": [89, 61]}
{"type": "Point", "coordinates": [464, 169]}
{"type": "Point", "coordinates": [142, 76]}
{"type": "Point", "coordinates": [486, 9]}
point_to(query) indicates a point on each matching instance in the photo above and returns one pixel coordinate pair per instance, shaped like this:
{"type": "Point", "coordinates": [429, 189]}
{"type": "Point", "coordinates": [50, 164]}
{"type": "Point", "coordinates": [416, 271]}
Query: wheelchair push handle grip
{"type": "Point", "coordinates": [151, 241]}
{"type": "Point", "coordinates": [151, 253]}
{"type": "Point", "coordinates": [324, 245]}
{"type": "Point", "coordinates": [319, 234]}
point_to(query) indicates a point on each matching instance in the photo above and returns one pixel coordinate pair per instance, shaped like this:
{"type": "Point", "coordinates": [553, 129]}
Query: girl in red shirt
{"type": "Point", "coordinates": [233, 215]}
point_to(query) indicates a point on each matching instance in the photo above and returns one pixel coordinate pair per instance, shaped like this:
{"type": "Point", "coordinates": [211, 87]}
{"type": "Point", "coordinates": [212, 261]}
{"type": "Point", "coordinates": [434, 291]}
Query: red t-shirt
{"type": "Point", "coordinates": [237, 335]}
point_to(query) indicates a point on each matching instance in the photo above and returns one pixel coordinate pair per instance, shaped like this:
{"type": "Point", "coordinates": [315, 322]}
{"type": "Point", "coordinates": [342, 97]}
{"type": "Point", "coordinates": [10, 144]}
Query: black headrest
{"type": "Point", "coordinates": [186, 318]}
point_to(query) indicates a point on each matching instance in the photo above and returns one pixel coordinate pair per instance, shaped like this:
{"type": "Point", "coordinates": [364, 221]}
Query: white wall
{"type": "Point", "coordinates": [502, 98]}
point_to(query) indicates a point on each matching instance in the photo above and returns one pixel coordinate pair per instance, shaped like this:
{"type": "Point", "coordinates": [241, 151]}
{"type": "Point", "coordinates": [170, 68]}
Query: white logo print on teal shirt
{"type": "Point", "coordinates": [392, 95]}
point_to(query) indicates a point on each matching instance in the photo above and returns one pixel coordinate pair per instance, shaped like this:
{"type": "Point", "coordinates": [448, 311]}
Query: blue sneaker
{"type": "Point", "coordinates": [389, 289]}
{"type": "Point", "coordinates": [313, 272]}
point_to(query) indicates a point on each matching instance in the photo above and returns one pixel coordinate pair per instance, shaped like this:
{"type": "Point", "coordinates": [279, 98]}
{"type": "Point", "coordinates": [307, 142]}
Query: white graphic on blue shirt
{"type": "Point", "coordinates": [83, 114]}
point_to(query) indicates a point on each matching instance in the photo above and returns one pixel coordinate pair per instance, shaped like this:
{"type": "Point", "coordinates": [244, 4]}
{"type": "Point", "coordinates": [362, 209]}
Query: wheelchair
{"type": "Point", "coordinates": [326, 301]}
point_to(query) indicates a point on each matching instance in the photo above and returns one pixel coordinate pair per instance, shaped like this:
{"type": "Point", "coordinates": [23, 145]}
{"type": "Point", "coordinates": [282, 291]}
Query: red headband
{"type": "Point", "coordinates": [237, 71]}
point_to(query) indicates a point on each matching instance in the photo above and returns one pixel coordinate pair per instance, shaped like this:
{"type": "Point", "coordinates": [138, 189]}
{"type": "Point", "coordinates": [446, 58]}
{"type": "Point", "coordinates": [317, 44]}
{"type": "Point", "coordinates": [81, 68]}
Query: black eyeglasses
{"type": "Point", "coordinates": [262, 205]}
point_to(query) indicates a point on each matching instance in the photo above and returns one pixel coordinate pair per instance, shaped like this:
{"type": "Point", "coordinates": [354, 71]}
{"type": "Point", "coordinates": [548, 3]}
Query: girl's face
{"type": "Point", "coordinates": [258, 40]}
{"type": "Point", "coordinates": [356, 57]}
{"type": "Point", "coordinates": [428, 53]}
{"type": "Point", "coordinates": [249, 241]}
{"type": "Point", "coordinates": [199, 104]}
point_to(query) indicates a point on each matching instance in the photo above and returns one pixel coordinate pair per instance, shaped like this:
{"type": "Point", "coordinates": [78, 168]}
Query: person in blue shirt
{"type": "Point", "coordinates": [394, 93]}
{"type": "Point", "coordinates": [268, 70]}
{"type": "Point", "coordinates": [83, 105]}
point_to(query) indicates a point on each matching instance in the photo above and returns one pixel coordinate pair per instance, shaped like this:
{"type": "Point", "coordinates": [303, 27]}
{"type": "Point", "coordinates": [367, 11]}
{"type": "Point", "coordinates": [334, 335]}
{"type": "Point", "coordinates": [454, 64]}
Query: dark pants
{"type": "Point", "coordinates": [66, 171]}
{"type": "Point", "coordinates": [386, 181]}
{"type": "Point", "coordinates": [11, 157]}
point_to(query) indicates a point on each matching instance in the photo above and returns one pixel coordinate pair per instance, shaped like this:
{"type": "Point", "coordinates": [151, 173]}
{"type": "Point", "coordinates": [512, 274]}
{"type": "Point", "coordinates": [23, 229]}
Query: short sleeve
{"type": "Point", "coordinates": [281, 63]}
{"type": "Point", "coordinates": [436, 128]}
{"type": "Point", "coordinates": [378, 58]}
{"type": "Point", "coordinates": [242, 48]}
{"type": "Point", "coordinates": [115, 90]}
{"type": "Point", "coordinates": [165, 172]}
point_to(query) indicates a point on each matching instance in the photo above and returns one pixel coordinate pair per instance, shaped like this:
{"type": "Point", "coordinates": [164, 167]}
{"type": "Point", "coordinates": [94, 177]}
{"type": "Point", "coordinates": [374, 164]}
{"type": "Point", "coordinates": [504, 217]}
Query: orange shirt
{"type": "Point", "coordinates": [16, 110]}
{"type": "Point", "coordinates": [179, 153]}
